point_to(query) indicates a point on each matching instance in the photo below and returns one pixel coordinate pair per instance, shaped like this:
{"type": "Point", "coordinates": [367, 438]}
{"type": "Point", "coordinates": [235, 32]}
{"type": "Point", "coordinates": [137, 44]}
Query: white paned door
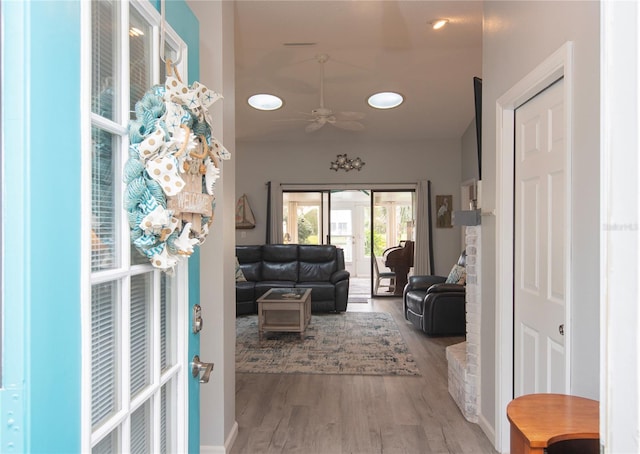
{"type": "Point", "coordinates": [540, 264]}
{"type": "Point", "coordinates": [136, 394]}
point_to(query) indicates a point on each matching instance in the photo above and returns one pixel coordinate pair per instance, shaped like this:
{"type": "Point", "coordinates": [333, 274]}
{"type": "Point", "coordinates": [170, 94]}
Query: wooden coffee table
{"type": "Point", "coordinates": [284, 309]}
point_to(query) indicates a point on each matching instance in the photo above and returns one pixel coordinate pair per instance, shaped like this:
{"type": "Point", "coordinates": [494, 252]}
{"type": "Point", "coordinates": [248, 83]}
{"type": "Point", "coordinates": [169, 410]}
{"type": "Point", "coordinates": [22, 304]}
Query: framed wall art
{"type": "Point", "coordinates": [444, 205]}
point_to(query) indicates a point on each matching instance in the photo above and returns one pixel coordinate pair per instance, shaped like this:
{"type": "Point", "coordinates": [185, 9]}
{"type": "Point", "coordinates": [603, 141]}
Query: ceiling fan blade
{"type": "Point", "coordinates": [349, 115]}
{"type": "Point", "coordinates": [348, 125]}
{"type": "Point", "coordinates": [314, 126]}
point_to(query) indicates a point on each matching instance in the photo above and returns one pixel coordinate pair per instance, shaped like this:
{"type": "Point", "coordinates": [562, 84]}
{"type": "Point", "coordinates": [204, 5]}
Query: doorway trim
{"type": "Point", "coordinates": [556, 66]}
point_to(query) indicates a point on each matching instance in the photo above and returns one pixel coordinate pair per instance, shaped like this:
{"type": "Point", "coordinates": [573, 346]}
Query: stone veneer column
{"type": "Point", "coordinates": [464, 358]}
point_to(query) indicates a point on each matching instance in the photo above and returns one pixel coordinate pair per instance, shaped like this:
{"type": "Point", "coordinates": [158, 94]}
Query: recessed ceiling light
{"type": "Point", "coordinates": [439, 23]}
{"type": "Point", "coordinates": [264, 101]}
{"type": "Point", "coordinates": [385, 100]}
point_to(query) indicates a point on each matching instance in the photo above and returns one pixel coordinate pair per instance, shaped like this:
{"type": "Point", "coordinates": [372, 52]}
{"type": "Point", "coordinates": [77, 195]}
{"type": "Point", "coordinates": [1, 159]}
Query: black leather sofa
{"type": "Point", "coordinates": [434, 306]}
{"type": "Point", "coordinates": [318, 267]}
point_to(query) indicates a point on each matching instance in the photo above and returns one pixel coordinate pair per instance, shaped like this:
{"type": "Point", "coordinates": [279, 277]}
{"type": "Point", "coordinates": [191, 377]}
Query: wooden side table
{"type": "Point", "coordinates": [539, 420]}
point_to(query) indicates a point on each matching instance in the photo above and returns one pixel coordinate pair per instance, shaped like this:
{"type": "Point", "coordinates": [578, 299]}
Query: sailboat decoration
{"type": "Point", "coordinates": [244, 215]}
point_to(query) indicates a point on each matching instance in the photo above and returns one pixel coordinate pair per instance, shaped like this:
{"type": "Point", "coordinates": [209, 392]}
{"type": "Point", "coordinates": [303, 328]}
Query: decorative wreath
{"type": "Point", "coordinates": [172, 169]}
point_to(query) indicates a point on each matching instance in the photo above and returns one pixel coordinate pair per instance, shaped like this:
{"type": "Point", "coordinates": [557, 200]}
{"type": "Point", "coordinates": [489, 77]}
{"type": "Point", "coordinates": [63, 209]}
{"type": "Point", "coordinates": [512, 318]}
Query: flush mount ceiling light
{"type": "Point", "coordinates": [385, 100]}
{"type": "Point", "coordinates": [437, 24]}
{"type": "Point", "coordinates": [264, 101]}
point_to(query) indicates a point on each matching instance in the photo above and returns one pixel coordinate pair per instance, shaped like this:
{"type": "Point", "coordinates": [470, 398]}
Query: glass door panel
{"type": "Point", "coordinates": [302, 216]}
{"type": "Point", "coordinates": [348, 229]}
{"type": "Point", "coordinates": [393, 224]}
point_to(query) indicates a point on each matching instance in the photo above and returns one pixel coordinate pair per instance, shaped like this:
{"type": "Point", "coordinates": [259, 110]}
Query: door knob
{"type": "Point", "coordinates": [561, 329]}
{"type": "Point", "coordinates": [198, 366]}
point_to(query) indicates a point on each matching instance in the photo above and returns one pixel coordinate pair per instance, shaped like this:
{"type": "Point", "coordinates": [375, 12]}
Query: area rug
{"type": "Point", "coordinates": [356, 343]}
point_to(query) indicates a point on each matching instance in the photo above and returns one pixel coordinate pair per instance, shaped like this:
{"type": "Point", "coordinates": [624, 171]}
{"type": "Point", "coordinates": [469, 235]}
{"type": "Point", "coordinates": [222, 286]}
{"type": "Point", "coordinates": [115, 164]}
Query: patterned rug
{"type": "Point", "coordinates": [359, 343]}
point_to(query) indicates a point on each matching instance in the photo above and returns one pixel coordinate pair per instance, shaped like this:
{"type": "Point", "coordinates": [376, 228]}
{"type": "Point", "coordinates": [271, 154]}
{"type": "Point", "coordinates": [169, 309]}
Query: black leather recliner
{"type": "Point", "coordinates": [435, 307]}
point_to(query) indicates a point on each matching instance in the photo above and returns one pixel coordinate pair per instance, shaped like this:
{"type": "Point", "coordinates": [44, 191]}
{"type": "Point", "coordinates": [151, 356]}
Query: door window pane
{"type": "Point", "coordinates": [302, 217]}
{"type": "Point", "coordinates": [108, 445]}
{"type": "Point", "coordinates": [104, 347]}
{"type": "Point", "coordinates": [140, 332]}
{"type": "Point", "coordinates": [168, 336]}
{"type": "Point", "coordinates": [140, 41]}
{"type": "Point", "coordinates": [141, 430]}
{"type": "Point", "coordinates": [167, 440]}
{"type": "Point", "coordinates": [104, 50]}
{"type": "Point", "coordinates": [103, 199]}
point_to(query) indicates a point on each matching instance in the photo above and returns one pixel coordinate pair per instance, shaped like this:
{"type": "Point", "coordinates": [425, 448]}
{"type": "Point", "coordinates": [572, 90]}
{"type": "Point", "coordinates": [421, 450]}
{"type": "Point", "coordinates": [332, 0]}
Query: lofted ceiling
{"type": "Point", "coordinates": [372, 46]}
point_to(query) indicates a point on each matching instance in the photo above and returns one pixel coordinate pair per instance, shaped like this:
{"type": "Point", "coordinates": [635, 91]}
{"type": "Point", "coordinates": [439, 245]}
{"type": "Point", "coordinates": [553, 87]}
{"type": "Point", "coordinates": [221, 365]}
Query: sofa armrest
{"type": "Point", "coordinates": [446, 288]}
{"type": "Point", "coordinates": [424, 282]}
{"type": "Point", "coordinates": [340, 275]}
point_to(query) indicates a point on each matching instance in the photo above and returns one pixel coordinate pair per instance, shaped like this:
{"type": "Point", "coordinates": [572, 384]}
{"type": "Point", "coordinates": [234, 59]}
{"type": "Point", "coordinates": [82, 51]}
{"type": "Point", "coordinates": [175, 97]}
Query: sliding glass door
{"type": "Point", "coordinates": [360, 221]}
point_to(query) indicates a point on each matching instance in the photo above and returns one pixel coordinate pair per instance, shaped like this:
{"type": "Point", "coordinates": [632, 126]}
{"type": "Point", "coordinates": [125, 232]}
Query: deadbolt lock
{"type": "Point", "coordinates": [197, 319]}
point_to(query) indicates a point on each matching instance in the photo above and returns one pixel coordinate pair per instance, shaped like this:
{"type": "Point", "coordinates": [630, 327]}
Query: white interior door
{"type": "Point", "coordinates": [540, 265]}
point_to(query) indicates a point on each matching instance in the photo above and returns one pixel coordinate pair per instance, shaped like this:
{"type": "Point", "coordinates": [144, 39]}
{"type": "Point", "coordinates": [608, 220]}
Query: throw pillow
{"type": "Point", "coordinates": [457, 275]}
{"type": "Point", "coordinates": [239, 274]}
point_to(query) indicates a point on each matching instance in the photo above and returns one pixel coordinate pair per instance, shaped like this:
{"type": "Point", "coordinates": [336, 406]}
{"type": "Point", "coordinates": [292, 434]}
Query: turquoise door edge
{"type": "Point", "coordinates": [186, 25]}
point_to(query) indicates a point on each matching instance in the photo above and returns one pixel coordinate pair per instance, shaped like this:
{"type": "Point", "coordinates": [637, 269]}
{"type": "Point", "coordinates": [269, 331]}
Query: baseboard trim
{"type": "Point", "coordinates": [231, 439]}
{"type": "Point", "coordinates": [488, 429]}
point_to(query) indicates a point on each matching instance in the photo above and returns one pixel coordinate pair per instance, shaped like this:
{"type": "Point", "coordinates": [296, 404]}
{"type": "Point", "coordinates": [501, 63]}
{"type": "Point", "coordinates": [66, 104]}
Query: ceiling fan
{"type": "Point", "coordinates": [323, 115]}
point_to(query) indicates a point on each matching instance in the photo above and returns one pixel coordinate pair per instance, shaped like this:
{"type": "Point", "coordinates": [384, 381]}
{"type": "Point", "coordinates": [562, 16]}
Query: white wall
{"type": "Point", "coordinates": [218, 427]}
{"type": "Point", "coordinates": [393, 162]}
{"type": "Point", "coordinates": [517, 36]}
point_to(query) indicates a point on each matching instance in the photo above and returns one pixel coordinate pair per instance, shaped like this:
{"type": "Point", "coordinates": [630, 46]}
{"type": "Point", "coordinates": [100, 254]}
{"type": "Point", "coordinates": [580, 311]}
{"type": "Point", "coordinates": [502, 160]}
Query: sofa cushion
{"type": "Point", "coordinates": [317, 263]}
{"type": "Point", "coordinates": [280, 262]}
{"type": "Point", "coordinates": [316, 253]}
{"type": "Point", "coordinates": [279, 271]}
{"type": "Point", "coordinates": [250, 259]}
{"type": "Point", "coordinates": [320, 291]}
{"type": "Point", "coordinates": [252, 271]}
{"type": "Point", "coordinates": [245, 291]}
{"type": "Point", "coordinates": [264, 286]}
{"type": "Point", "coordinates": [280, 252]}
{"type": "Point", "coordinates": [316, 272]}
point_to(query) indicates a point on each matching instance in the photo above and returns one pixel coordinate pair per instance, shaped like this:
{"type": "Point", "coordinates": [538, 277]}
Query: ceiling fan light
{"type": "Point", "coordinates": [385, 100]}
{"type": "Point", "coordinates": [265, 101]}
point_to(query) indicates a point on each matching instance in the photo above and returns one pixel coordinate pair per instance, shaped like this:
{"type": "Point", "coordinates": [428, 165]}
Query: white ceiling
{"type": "Point", "coordinates": [373, 46]}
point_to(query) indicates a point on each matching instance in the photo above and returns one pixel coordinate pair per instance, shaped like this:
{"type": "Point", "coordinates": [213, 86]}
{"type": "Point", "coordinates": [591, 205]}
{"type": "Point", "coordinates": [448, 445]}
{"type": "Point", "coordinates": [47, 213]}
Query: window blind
{"type": "Point", "coordinates": [104, 218]}
{"type": "Point", "coordinates": [140, 430]}
{"type": "Point", "coordinates": [140, 332]}
{"type": "Point", "coordinates": [164, 332]}
{"type": "Point", "coordinates": [104, 18]}
{"type": "Point", "coordinates": [164, 430]}
{"type": "Point", "coordinates": [107, 445]}
{"type": "Point", "coordinates": [104, 346]}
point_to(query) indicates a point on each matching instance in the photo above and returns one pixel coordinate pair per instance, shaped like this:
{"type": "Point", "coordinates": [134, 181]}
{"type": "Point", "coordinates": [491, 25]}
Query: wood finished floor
{"type": "Point", "coordinates": [355, 414]}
